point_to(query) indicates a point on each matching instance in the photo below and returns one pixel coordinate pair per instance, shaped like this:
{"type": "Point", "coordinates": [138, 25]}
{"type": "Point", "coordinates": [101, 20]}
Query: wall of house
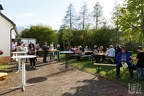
{"type": "Point", "coordinates": [5, 45]}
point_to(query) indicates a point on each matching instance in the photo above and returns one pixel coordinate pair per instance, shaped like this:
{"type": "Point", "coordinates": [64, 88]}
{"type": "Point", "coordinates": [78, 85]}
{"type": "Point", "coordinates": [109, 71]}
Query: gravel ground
{"type": "Point", "coordinates": [50, 81]}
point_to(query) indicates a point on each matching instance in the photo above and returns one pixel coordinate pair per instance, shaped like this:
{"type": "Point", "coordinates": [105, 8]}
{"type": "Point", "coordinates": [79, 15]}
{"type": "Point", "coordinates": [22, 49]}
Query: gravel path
{"type": "Point", "coordinates": [50, 81]}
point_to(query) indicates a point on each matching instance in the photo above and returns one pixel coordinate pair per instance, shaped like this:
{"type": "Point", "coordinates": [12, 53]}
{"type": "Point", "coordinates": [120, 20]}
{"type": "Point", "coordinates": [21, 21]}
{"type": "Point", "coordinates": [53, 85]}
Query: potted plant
{"type": "Point", "coordinates": [1, 52]}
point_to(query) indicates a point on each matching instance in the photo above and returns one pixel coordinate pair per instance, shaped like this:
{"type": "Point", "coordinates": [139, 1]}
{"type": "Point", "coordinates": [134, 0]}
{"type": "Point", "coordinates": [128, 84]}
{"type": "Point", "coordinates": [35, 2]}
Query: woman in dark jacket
{"type": "Point", "coordinates": [32, 51]}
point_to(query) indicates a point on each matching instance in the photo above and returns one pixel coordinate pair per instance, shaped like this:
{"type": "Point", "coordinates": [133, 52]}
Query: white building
{"type": "Point", "coordinates": [7, 33]}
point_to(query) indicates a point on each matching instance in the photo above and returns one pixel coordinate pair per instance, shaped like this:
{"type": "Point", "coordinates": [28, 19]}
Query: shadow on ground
{"type": "Point", "coordinates": [97, 87]}
{"type": "Point", "coordinates": [36, 79]}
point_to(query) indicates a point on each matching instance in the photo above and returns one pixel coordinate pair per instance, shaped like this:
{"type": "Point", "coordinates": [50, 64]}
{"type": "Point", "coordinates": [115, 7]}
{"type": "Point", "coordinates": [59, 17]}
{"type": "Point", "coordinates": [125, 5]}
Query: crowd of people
{"type": "Point", "coordinates": [119, 53]}
{"type": "Point", "coordinates": [111, 52]}
{"type": "Point", "coordinates": [32, 49]}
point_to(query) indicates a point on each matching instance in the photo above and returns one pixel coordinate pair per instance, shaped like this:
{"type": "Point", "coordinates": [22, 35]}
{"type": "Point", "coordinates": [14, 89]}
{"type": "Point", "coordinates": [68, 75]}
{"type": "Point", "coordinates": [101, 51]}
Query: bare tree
{"type": "Point", "coordinates": [97, 14]}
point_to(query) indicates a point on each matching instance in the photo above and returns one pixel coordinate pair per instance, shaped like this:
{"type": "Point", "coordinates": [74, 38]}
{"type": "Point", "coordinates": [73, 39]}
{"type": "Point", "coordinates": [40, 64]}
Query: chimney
{"type": "Point", "coordinates": [1, 8]}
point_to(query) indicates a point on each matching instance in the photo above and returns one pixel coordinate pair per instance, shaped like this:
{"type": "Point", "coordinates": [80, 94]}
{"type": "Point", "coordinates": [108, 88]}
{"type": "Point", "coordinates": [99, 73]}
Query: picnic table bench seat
{"type": "Point", "coordinates": [101, 64]}
{"type": "Point", "coordinates": [3, 76]}
{"type": "Point", "coordinates": [111, 59]}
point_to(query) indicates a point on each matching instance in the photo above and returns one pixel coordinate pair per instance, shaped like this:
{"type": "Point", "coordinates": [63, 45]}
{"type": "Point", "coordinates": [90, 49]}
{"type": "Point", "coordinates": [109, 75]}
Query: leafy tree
{"type": "Point", "coordinates": [104, 36]}
{"type": "Point", "coordinates": [132, 20]}
{"type": "Point", "coordinates": [41, 33]}
{"type": "Point", "coordinates": [116, 14]}
{"type": "Point", "coordinates": [65, 37]}
{"type": "Point", "coordinates": [97, 13]}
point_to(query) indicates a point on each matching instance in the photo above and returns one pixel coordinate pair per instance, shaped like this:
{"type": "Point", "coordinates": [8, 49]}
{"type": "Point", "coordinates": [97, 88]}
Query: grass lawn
{"type": "Point", "coordinates": [3, 67]}
{"type": "Point", "coordinates": [106, 71]}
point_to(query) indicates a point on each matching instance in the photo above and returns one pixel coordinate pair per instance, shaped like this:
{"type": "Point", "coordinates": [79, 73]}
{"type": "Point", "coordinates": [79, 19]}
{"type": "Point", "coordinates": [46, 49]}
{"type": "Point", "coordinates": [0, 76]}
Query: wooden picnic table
{"type": "Point", "coordinates": [101, 64]}
{"type": "Point", "coordinates": [54, 50]}
{"type": "Point", "coordinates": [100, 54]}
{"type": "Point", "coordinates": [3, 76]}
{"type": "Point", "coordinates": [66, 59]}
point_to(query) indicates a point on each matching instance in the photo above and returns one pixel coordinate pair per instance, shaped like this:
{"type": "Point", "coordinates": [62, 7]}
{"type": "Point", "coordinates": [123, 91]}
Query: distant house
{"type": "Point", "coordinates": [7, 33]}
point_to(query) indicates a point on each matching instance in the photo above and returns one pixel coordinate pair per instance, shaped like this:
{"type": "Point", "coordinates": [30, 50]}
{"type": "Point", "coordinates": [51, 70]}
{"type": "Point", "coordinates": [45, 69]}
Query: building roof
{"type": "Point", "coordinates": [6, 18]}
{"type": "Point", "coordinates": [10, 21]}
{"type": "Point", "coordinates": [1, 8]}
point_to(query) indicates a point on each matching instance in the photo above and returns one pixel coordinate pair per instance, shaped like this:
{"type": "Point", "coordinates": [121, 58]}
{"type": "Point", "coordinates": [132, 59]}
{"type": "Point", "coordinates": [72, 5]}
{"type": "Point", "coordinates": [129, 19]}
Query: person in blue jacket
{"type": "Point", "coordinates": [124, 57]}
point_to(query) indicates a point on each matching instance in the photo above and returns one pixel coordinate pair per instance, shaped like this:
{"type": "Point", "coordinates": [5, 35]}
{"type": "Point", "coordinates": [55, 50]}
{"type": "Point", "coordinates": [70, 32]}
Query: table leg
{"type": "Point", "coordinates": [98, 69]}
{"type": "Point", "coordinates": [19, 65]}
{"type": "Point", "coordinates": [23, 77]}
{"type": "Point", "coordinates": [66, 64]}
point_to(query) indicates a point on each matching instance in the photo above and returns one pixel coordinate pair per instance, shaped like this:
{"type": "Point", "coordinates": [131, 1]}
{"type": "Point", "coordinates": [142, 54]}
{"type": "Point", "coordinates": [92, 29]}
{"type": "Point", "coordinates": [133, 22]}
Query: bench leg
{"type": "Point", "coordinates": [98, 69]}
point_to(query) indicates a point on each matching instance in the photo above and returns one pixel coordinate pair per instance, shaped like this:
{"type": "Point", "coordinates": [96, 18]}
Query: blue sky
{"type": "Point", "coordinates": [48, 12]}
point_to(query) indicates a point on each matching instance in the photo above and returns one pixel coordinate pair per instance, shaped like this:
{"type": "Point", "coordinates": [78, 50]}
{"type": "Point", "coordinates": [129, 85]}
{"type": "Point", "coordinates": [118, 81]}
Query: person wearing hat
{"type": "Point", "coordinates": [124, 57]}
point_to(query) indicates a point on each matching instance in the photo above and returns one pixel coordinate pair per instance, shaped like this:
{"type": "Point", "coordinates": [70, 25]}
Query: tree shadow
{"type": "Point", "coordinates": [9, 91]}
{"type": "Point", "coordinates": [96, 87]}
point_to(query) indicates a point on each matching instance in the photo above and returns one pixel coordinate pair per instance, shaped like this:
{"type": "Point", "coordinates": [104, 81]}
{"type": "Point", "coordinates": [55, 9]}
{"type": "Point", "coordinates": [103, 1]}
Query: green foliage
{"type": "Point", "coordinates": [131, 19]}
{"type": "Point", "coordinates": [101, 37]}
{"type": "Point", "coordinates": [105, 37]}
{"type": "Point", "coordinates": [67, 35]}
{"type": "Point", "coordinates": [41, 33]}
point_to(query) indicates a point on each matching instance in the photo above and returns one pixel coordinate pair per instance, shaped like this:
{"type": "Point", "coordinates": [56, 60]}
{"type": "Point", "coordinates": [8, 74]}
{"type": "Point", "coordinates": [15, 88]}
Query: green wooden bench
{"type": "Point", "coordinates": [101, 64]}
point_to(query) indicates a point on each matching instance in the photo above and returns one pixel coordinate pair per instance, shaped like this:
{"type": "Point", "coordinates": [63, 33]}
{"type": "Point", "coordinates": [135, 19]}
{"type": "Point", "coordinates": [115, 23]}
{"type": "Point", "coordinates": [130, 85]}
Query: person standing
{"type": "Point", "coordinates": [19, 47]}
{"type": "Point", "coordinates": [58, 53]}
{"type": "Point", "coordinates": [45, 52]}
{"type": "Point", "coordinates": [140, 63]}
{"type": "Point", "coordinates": [37, 46]}
{"type": "Point", "coordinates": [13, 47]}
{"type": "Point", "coordinates": [51, 53]}
{"type": "Point", "coordinates": [124, 57]}
{"type": "Point", "coordinates": [32, 51]}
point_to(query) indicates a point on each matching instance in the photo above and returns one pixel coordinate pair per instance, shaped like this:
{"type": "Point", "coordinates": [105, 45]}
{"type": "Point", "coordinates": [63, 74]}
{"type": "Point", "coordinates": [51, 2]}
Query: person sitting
{"type": "Point", "coordinates": [124, 57]}
{"type": "Point", "coordinates": [110, 54]}
{"type": "Point", "coordinates": [102, 56]}
{"type": "Point", "coordinates": [117, 50]}
{"type": "Point", "coordinates": [86, 49]}
{"type": "Point", "coordinates": [96, 50]}
{"type": "Point", "coordinates": [78, 52]}
{"type": "Point", "coordinates": [95, 47]}
{"type": "Point", "coordinates": [101, 49]}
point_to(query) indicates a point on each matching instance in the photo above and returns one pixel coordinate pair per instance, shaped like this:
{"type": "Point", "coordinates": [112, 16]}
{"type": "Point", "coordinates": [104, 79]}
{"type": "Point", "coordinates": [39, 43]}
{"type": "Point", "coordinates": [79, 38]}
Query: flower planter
{"type": "Point", "coordinates": [1, 52]}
